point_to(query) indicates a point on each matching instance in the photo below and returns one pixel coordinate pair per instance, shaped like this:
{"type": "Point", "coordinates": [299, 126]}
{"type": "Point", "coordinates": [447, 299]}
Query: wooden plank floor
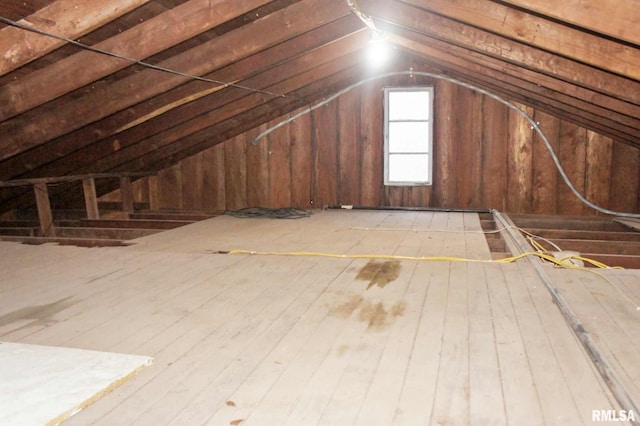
{"type": "Point", "coordinates": [277, 340]}
{"type": "Point", "coordinates": [607, 303]}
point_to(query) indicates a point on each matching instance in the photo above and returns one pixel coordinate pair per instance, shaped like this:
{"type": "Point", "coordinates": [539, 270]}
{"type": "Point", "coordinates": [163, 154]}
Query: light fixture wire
{"type": "Point", "coordinates": [353, 5]}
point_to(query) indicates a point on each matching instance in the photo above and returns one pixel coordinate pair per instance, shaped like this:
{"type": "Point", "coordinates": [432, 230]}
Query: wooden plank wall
{"type": "Point", "coordinates": [485, 156]}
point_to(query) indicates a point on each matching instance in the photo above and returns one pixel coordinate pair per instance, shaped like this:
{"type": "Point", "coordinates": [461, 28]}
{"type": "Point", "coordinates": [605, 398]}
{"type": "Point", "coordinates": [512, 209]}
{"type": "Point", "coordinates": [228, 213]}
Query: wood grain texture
{"type": "Point", "coordinates": [485, 156]}
{"type": "Point", "coordinates": [599, 163]}
{"type": "Point", "coordinates": [234, 337]}
{"type": "Point", "coordinates": [301, 161]}
{"type": "Point", "coordinates": [371, 136]}
{"type": "Point", "coordinates": [69, 18]}
{"type": "Point", "coordinates": [572, 154]}
{"type": "Point", "coordinates": [545, 178]}
{"type": "Point", "coordinates": [349, 146]}
{"type": "Point", "coordinates": [519, 164]}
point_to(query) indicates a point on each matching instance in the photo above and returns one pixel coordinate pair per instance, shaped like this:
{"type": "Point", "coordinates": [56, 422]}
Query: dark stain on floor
{"type": "Point", "coordinates": [39, 313]}
{"type": "Point", "coordinates": [377, 316]}
{"type": "Point", "coordinates": [379, 273]}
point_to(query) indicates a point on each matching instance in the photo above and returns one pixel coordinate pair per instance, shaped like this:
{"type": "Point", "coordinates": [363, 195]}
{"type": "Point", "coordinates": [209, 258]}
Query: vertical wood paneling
{"type": "Point", "coordinates": [257, 169]}
{"type": "Point", "coordinates": [349, 149]}
{"type": "Point", "coordinates": [444, 144]}
{"type": "Point", "coordinates": [599, 163]}
{"type": "Point", "coordinates": [279, 167]}
{"type": "Point", "coordinates": [214, 194]}
{"type": "Point", "coordinates": [485, 156]}
{"type": "Point", "coordinates": [519, 165]}
{"type": "Point", "coordinates": [235, 167]}
{"type": "Point", "coordinates": [192, 183]}
{"type": "Point", "coordinates": [301, 166]}
{"type": "Point", "coordinates": [494, 155]}
{"type": "Point", "coordinates": [170, 188]}
{"type": "Point", "coordinates": [468, 131]}
{"type": "Point", "coordinates": [371, 137]}
{"type": "Point", "coordinates": [141, 189]}
{"type": "Point", "coordinates": [326, 164]}
{"type": "Point", "coordinates": [545, 178]}
{"type": "Point", "coordinates": [624, 178]}
{"type": "Point", "coordinates": [154, 192]}
{"type": "Point", "coordinates": [572, 154]}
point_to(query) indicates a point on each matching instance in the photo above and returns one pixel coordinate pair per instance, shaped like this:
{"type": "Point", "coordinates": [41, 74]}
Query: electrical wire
{"type": "Point", "coordinates": [137, 61]}
{"type": "Point", "coordinates": [527, 117]}
{"type": "Point", "coordinates": [353, 5]}
{"type": "Point", "coordinates": [562, 263]}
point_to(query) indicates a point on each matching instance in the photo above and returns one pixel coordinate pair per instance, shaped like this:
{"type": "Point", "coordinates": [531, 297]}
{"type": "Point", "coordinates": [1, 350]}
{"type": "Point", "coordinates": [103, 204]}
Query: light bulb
{"type": "Point", "coordinates": [378, 51]}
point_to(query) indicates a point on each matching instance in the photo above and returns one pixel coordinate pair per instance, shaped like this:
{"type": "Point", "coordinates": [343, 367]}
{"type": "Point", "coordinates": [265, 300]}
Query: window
{"type": "Point", "coordinates": [408, 135]}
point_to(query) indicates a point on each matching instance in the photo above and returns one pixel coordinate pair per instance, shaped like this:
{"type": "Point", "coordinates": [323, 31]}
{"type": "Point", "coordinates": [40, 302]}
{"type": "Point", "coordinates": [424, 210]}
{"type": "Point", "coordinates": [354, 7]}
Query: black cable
{"type": "Point", "coordinates": [263, 212]}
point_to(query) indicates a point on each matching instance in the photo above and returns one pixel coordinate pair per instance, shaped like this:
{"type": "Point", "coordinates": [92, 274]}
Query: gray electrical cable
{"type": "Point", "coordinates": [526, 116]}
{"type": "Point", "coordinates": [137, 61]}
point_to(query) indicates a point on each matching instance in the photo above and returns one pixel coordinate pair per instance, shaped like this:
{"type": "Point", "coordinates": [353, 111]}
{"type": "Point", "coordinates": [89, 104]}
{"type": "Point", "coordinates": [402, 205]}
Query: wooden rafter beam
{"type": "Point", "coordinates": [90, 144]}
{"type": "Point", "coordinates": [157, 34]}
{"type": "Point", "coordinates": [510, 51]}
{"type": "Point", "coordinates": [542, 33]}
{"type": "Point", "coordinates": [66, 18]}
{"type": "Point", "coordinates": [246, 121]}
{"type": "Point", "coordinates": [515, 86]}
{"type": "Point", "coordinates": [17, 135]}
{"type": "Point", "coordinates": [231, 117]}
{"type": "Point", "coordinates": [575, 92]}
{"type": "Point", "coordinates": [227, 120]}
{"type": "Point", "coordinates": [614, 18]}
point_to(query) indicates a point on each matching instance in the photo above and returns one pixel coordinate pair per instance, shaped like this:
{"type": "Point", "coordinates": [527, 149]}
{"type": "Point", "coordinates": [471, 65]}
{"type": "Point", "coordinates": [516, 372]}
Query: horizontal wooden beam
{"type": "Point", "coordinates": [141, 41]}
{"type": "Point", "coordinates": [559, 222]}
{"type": "Point", "coordinates": [509, 51]}
{"type": "Point", "coordinates": [66, 18]}
{"type": "Point", "coordinates": [247, 118]}
{"type": "Point", "coordinates": [512, 85]}
{"type": "Point", "coordinates": [613, 260]}
{"type": "Point", "coordinates": [546, 34]}
{"type": "Point", "coordinates": [34, 128]}
{"type": "Point", "coordinates": [63, 241]}
{"type": "Point", "coordinates": [559, 234]}
{"type": "Point", "coordinates": [134, 223]}
{"type": "Point", "coordinates": [615, 18]}
{"type": "Point", "coordinates": [593, 102]}
{"type": "Point", "coordinates": [162, 215]}
{"type": "Point", "coordinates": [71, 178]}
{"type": "Point", "coordinates": [630, 248]}
{"type": "Point", "coordinates": [89, 145]}
{"type": "Point", "coordinates": [105, 233]}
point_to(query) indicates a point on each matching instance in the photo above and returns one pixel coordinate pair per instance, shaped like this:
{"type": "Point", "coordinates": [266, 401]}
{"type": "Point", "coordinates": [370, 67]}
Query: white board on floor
{"type": "Point", "coordinates": [45, 385]}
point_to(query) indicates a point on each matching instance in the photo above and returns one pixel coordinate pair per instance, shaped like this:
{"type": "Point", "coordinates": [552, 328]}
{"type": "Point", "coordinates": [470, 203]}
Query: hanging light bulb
{"type": "Point", "coordinates": [378, 51]}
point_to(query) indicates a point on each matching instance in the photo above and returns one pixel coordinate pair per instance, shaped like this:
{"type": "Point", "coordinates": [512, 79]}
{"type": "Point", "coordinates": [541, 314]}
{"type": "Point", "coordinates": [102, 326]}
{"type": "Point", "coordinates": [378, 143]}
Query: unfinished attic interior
{"type": "Point", "coordinates": [319, 212]}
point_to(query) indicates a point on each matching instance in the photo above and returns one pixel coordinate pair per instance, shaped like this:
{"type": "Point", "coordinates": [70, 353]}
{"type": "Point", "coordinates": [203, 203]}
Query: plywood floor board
{"type": "Point", "coordinates": [46, 385]}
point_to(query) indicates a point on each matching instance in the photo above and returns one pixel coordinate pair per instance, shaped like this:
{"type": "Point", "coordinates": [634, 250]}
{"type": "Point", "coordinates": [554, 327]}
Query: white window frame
{"type": "Point", "coordinates": [427, 149]}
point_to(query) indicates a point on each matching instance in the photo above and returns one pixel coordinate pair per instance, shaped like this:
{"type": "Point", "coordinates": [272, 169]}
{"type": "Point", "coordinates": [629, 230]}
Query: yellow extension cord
{"type": "Point", "coordinates": [563, 262]}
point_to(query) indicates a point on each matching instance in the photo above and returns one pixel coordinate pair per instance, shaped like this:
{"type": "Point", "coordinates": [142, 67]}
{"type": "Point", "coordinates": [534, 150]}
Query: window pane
{"type": "Point", "coordinates": [408, 137]}
{"type": "Point", "coordinates": [409, 168]}
{"type": "Point", "coordinates": [411, 105]}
